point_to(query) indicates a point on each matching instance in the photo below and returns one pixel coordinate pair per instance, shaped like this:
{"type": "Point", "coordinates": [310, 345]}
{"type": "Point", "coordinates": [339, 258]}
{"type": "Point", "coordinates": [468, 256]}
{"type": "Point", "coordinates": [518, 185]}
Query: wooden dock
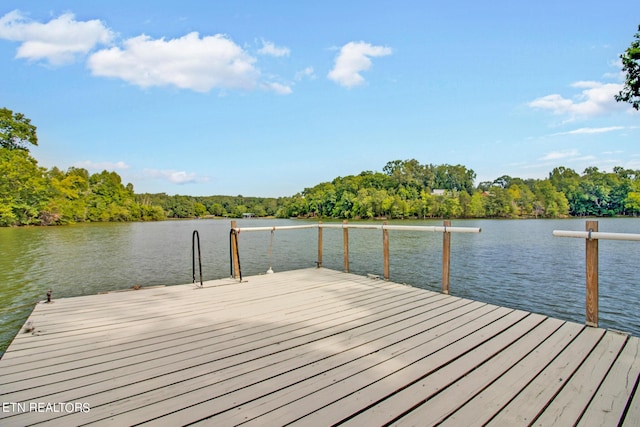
{"type": "Point", "coordinates": [311, 347]}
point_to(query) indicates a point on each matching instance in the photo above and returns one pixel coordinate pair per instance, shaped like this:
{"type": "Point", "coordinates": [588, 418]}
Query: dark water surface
{"type": "Point", "coordinates": [514, 263]}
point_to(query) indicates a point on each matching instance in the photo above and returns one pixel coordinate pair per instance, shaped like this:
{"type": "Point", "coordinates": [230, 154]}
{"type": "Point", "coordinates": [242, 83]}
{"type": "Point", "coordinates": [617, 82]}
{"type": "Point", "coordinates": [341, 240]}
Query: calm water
{"type": "Point", "coordinates": [514, 263]}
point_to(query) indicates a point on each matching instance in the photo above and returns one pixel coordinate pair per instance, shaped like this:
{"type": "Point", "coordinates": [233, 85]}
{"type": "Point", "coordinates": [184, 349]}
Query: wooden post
{"type": "Point", "coordinates": [592, 275]}
{"type": "Point", "coordinates": [345, 244]}
{"type": "Point", "coordinates": [235, 257]}
{"type": "Point", "coordinates": [446, 257]}
{"type": "Point", "coordinates": [385, 250]}
{"type": "Point", "coordinates": [319, 262]}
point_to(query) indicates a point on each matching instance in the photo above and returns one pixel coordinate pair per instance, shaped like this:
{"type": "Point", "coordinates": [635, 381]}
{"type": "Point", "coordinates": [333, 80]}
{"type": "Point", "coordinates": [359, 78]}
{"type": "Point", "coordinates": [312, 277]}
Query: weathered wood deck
{"type": "Point", "coordinates": [312, 347]}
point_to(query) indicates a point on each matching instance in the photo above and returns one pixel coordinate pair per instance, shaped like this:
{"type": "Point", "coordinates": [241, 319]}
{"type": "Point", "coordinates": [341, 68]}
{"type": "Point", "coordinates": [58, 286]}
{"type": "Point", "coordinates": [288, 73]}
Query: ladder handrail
{"type": "Point", "coordinates": [196, 236]}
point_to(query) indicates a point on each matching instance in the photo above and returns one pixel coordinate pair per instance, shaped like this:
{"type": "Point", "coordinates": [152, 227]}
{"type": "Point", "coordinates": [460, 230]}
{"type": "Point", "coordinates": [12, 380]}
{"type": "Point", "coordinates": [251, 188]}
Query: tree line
{"type": "Point", "coordinates": [33, 195]}
{"type": "Point", "coordinates": [181, 206]}
{"type": "Point", "coordinates": [408, 189]}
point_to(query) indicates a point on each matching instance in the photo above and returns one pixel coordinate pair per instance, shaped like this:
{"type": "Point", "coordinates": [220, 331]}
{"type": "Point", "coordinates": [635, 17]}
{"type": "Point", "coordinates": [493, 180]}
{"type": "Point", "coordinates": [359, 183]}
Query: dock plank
{"type": "Point", "coordinates": [616, 390]}
{"type": "Point", "coordinates": [311, 347]}
{"type": "Point", "coordinates": [525, 406]}
{"type": "Point", "coordinates": [632, 417]}
{"type": "Point", "coordinates": [569, 404]}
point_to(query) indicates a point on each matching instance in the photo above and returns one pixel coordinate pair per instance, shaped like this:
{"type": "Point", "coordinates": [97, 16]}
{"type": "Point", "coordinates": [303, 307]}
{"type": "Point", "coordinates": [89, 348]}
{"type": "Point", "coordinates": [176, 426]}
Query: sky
{"type": "Point", "coordinates": [265, 99]}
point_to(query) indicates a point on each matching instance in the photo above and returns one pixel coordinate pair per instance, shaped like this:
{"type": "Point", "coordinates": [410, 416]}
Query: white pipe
{"type": "Point", "coordinates": [437, 228]}
{"type": "Point", "coordinates": [434, 228]}
{"type": "Point", "coordinates": [283, 227]}
{"type": "Point", "coordinates": [363, 226]}
{"type": "Point", "coordinates": [597, 235]}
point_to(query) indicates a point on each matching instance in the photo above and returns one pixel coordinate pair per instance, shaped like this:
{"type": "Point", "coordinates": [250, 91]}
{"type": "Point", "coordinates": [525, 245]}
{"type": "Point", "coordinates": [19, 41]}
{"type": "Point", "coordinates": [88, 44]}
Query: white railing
{"type": "Point", "coordinates": [432, 228]}
{"type": "Point", "coordinates": [597, 235]}
{"type": "Point", "coordinates": [446, 229]}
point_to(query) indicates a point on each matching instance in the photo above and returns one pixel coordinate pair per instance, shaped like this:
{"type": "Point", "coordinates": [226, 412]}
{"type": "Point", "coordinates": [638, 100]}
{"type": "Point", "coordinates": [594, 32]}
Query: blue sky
{"type": "Point", "coordinates": [267, 98]}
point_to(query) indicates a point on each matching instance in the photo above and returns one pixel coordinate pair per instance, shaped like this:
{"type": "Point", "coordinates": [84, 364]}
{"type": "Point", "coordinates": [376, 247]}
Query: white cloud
{"type": "Point", "coordinates": [89, 165]}
{"type": "Point", "coordinates": [306, 73]}
{"type": "Point", "coordinates": [557, 155]}
{"type": "Point", "coordinates": [175, 177]}
{"type": "Point", "coordinates": [278, 88]}
{"type": "Point", "coordinates": [188, 62]}
{"type": "Point", "coordinates": [269, 48]}
{"type": "Point", "coordinates": [353, 58]}
{"type": "Point", "coordinates": [590, 131]}
{"type": "Point", "coordinates": [596, 99]}
{"type": "Point", "coordinates": [58, 41]}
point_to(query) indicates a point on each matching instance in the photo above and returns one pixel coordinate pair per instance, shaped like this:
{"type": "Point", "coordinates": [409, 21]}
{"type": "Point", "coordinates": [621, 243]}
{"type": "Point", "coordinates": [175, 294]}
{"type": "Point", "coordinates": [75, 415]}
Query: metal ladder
{"type": "Point", "coordinates": [196, 237]}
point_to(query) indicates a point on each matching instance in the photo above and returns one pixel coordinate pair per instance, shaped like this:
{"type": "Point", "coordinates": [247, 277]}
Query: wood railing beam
{"type": "Point", "coordinates": [235, 257]}
{"type": "Point", "coordinates": [592, 275]}
{"type": "Point", "coordinates": [385, 252]}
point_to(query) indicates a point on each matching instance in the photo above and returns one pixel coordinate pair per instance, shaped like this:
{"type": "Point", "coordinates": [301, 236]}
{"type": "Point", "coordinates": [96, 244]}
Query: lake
{"type": "Point", "coordinates": [513, 263]}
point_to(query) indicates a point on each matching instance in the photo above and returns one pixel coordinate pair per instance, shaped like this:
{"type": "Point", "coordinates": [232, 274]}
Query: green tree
{"type": "Point", "coordinates": [321, 199]}
{"type": "Point", "coordinates": [425, 203]}
{"type": "Point", "coordinates": [200, 209]}
{"type": "Point", "coordinates": [109, 200]}
{"type": "Point", "coordinates": [239, 210]}
{"type": "Point", "coordinates": [498, 203]}
{"type": "Point", "coordinates": [344, 206]}
{"type": "Point", "coordinates": [377, 199]}
{"type": "Point", "coordinates": [551, 203]}
{"type": "Point", "coordinates": [363, 205]}
{"type": "Point", "coordinates": [293, 207]}
{"type": "Point", "coordinates": [69, 192]}
{"type": "Point", "coordinates": [567, 181]}
{"type": "Point", "coordinates": [631, 67]}
{"type": "Point", "coordinates": [407, 173]}
{"type": "Point", "coordinates": [180, 207]}
{"type": "Point", "coordinates": [476, 208]}
{"type": "Point", "coordinates": [16, 131]}
{"type": "Point", "coordinates": [522, 197]}
{"type": "Point", "coordinates": [454, 178]}
{"type": "Point", "coordinates": [632, 201]}
{"type": "Point", "coordinates": [449, 206]}
{"type": "Point", "coordinates": [152, 213]}
{"type": "Point", "coordinates": [399, 207]}
{"type": "Point", "coordinates": [596, 187]}
{"type": "Point", "coordinates": [217, 209]}
{"type": "Point", "coordinates": [24, 189]}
